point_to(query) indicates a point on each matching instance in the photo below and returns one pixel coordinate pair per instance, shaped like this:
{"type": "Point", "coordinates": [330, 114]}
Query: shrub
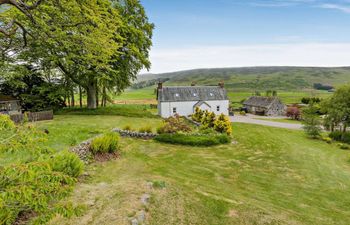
{"type": "Point", "coordinates": [242, 113]}
{"type": "Point", "coordinates": [327, 139]}
{"type": "Point", "coordinates": [223, 125]}
{"type": "Point", "coordinates": [293, 113]}
{"type": "Point", "coordinates": [127, 127]}
{"type": "Point", "coordinates": [67, 163]}
{"type": "Point", "coordinates": [173, 125]}
{"type": "Point", "coordinates": [198, 115]}
{"type": "Point", "coordinates": [344, 146]}
{"type": "Point", "coordinates": [340, 136]}
{"type": "Point", "coordinates": [30, 187]}
{"type": "Point", "coordinates": [107, 143]}
{"type": "Point", "coordinates": [208, 119]}
{"type": "Point", "coordinates": [193, 140]}
{"type": "Point", "coordinates": [147, 129]}
{"type": "Point", "coordinates": [6, 123]}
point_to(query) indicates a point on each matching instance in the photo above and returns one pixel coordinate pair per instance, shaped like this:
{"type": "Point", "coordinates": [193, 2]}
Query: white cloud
{"type": "Point", "coordinates": [342, 8]}
{"type": "Point", "coordinates": [307, 54]}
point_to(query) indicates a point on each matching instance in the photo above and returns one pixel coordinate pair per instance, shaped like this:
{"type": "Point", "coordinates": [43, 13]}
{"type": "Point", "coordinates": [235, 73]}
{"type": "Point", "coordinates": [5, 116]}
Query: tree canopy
{"type": "Point", "coordinates": [99, 45]}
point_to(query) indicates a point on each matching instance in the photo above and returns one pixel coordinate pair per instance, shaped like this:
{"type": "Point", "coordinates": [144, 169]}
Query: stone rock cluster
{"type": "Point", "coordinates": [83, 150]}
{"type": "Point", "coordinates": [134, 134]}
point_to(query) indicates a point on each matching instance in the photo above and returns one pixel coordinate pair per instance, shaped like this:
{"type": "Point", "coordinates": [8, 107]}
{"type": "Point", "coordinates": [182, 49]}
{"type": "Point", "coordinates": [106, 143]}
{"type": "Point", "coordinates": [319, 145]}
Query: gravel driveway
{"type": "Point", "coordinates": [253, 120]}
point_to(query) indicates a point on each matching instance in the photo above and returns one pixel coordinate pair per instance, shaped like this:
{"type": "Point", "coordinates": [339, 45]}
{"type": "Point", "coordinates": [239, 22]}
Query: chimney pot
{"type": "Point", "coordinates": [222, 84]}
{"type": "Point", "coordinates": [193, 84]}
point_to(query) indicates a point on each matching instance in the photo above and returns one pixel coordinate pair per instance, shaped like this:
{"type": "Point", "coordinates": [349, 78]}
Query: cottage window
{"type": "Point", "coordinates": [174, 110]}
{"type": "Point", "coordinates": [218, 108]}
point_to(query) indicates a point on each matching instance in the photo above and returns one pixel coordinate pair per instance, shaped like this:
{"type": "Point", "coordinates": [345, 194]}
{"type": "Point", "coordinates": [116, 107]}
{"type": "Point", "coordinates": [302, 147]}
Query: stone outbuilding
{"type": "Point", "coordinates": [265, 106]}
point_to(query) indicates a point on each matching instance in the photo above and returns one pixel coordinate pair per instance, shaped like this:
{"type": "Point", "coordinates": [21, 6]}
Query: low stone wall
{"type": "Point", "coordinates": [134, 134]}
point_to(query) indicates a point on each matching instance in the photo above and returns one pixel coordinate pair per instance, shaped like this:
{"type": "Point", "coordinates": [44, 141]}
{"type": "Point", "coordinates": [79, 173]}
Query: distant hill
{"type": "Point", "coordinates": [258, 78]}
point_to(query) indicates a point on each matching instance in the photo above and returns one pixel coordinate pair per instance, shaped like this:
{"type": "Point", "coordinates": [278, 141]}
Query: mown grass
{"type": "Point", "coordinates": [70, 130]}
{"type": "Point", "coordinates": [283, 120]}
{"type": "Point", "coordinates": [115, 110]}
{"type": "Point", "coordinates": [271, 176]}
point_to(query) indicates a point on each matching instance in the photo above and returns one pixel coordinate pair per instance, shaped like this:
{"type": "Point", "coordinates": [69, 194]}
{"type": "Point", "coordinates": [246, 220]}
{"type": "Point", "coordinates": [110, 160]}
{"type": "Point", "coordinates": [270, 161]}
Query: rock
{"type": "Point", "coordinates": [142, 216]}
{"type": "Point", "coordinates": [145, 199]}
{"type": "Point", "coordinates": [134, 222]}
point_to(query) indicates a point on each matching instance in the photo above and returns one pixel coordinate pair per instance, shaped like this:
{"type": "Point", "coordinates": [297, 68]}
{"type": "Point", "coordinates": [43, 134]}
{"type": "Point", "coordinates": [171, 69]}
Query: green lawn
{"type": "Point", "coordinates": [272, 176]}
{"type": "Point", "coordinates": [280, 120]}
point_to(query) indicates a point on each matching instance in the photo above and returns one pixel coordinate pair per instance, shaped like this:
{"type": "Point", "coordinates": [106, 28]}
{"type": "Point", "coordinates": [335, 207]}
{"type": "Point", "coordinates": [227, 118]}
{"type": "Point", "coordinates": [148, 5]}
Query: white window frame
{"type": "Point", "coordinates": [218, 108]}
{"type": "Point", "coordinates": [174, 110]}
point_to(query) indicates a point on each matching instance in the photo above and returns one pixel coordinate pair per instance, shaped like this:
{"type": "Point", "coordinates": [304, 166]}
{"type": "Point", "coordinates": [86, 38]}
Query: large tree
{"type": "Point", "coordinates": [337, 109]}
{"type": "Point", "coordinates": [99, 45]}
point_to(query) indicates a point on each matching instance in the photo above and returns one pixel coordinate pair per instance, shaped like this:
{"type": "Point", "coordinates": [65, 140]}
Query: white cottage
{"type": "Point", "coordinates": [184, 100]}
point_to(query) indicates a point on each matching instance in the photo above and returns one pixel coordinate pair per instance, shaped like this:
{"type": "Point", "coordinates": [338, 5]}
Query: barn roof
{"type": "Point", "coordinates": [259, 101]}
{"type": "Point", "coordinates": [193, 93]}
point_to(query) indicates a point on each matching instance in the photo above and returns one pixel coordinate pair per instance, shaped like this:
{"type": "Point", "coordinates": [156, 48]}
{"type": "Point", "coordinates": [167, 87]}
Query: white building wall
{"type": "Point", "coordinates": [186, 108]}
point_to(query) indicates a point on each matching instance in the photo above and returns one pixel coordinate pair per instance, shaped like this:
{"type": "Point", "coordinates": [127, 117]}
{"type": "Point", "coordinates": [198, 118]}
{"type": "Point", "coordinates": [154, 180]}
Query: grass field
{"type": "Point", "coordinates": [272, 176]}
{"type": "Point", "coordinates": [280, 120]}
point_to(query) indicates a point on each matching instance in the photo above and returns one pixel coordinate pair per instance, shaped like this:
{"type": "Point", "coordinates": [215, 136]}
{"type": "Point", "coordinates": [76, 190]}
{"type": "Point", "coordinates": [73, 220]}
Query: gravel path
{"type": "Point", "coordinates": [252, 120]}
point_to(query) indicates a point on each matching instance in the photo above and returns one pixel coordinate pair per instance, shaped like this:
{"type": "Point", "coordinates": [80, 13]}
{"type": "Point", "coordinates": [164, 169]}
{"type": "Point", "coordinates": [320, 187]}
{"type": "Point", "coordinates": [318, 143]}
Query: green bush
{"type": "Point", "coordinates": [67, 163]}
{"type": "Point", "coordinates": [30, 187]}
{"type": "Point", "coordinates": [340, 136]}
{"type": "Point", "coordinates": [147, 129]}
{"type": "Point", "coordinates": [327, 139]}
{"type": "Point", "coordinates": [344, 146]}
{"type": "Point", "coordinates": [6, 123]}
{"type": "Point", "coordinates": [193, 140]}
{"type": "Point", "coordinates": [107, 143]}
{"type": "Point", "coordinates": [242, 113]}
{"type": "Point", "coordinates": [127, 127]}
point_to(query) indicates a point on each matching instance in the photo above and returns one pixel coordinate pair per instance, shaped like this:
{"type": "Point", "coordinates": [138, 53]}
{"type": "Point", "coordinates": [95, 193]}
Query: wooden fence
{"type": "Point", "coordinates": [33, 116]}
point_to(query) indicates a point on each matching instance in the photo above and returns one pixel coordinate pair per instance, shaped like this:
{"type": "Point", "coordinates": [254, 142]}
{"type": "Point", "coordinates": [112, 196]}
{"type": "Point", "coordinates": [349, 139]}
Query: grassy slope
{"type": "Point", "coordinates": [259, 78]}
{"type": "Point", "coordinates": [272, 176]}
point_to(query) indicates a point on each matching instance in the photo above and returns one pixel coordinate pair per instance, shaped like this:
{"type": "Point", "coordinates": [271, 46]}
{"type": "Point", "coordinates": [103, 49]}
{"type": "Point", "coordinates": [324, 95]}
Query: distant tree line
{"type": "Point", "coordinates": [323, 87]}
{"type": "Point", "coordinates": [148, 83]}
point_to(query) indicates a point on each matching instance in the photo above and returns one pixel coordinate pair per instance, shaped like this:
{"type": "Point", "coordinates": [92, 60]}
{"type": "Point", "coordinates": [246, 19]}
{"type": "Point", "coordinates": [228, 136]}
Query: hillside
{"type": "Point", "coordinates": [258, 78]}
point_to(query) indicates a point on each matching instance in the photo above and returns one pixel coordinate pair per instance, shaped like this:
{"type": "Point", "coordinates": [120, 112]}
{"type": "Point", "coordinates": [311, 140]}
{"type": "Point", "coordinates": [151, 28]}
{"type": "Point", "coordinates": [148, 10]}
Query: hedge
{"type": "Point", "coordinates": [193, 140]}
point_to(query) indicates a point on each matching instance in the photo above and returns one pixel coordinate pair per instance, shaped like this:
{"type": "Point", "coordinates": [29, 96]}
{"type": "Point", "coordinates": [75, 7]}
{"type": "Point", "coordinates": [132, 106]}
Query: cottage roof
{"type": "Point", "coordinates": [259, 101]}
{"type": "Point", "coordinates": [193, 93]}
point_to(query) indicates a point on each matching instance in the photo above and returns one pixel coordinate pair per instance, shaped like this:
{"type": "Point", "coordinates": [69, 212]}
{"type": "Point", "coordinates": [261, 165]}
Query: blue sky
{"type": "Point", "coordinates": [229, 33]}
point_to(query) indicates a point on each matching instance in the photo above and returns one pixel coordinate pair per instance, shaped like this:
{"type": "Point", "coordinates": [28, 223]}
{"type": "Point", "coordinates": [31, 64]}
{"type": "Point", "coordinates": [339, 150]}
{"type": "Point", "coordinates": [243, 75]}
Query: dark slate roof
{"type": "Point", "coordinates": [192, 93]}
{"type": "Point", "coordinates": [258, 101]}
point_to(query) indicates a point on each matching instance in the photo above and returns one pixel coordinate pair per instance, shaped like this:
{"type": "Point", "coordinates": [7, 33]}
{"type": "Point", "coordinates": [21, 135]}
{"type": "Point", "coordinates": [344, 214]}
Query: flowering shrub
{"type": "Point", "coordinates": [6, 123]}
{"type": "Point", "coordinates": [223, 125]}
{"type": "Point", "coordinates": [198, 115]}
{"type": "Point", "coordinates": [293, 113]}
{"type": "Point", "coordinates": [173, 125]}
{"type": "Point", "coordinates": [208, 119]}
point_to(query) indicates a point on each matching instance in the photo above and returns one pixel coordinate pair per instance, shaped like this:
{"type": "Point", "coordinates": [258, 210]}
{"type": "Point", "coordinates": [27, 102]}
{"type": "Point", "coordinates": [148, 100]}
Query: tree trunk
{"type": "Point", "coordinates": [97, 100]}
{"type": "Point", "coordinates": [80, 97]}
{"type": "Point", "coordinates": [91, 95]}
{"type": "Point", "coordinates": [73, 99]}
